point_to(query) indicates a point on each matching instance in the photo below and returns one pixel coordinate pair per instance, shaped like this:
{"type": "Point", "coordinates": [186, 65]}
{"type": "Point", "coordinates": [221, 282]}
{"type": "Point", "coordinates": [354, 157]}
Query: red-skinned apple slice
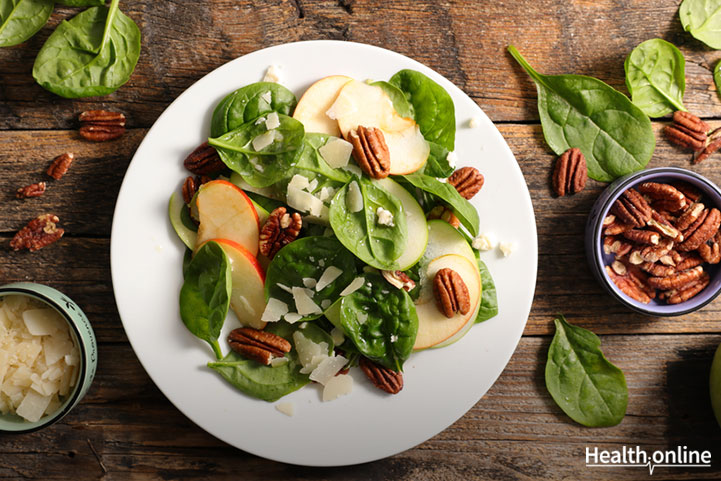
{"type": "Point", "coordinates": [316, 101]}
{"type": "Point", "coordinates": [226, 212]}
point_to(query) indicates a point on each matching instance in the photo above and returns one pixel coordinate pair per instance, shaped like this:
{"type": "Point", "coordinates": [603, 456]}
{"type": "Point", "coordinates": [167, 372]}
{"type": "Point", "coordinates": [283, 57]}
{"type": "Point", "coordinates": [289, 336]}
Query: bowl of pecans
{"type": "Point", "coordinates": [653, 241]}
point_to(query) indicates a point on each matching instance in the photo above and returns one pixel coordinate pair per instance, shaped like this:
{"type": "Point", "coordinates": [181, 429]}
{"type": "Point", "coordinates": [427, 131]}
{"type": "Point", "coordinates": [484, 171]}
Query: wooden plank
{"type": "Point", "coordinates": [514, 432]}
{"type": "Point", "coordinates": [465, 41]}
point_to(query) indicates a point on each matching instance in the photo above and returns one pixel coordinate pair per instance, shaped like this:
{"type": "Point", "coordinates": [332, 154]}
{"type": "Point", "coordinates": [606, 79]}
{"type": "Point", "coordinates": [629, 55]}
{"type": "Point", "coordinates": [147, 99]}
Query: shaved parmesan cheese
{"type": "Point", "coordinates": [267, 97]}
{"type": "Point", "coordinates": [355, 198]}
{"type": "Point", "coordinates": [285, 288]}
{"type": "Point", "coordinates": [337, 335]}
{"type": "Point", "coordinates": [274, 310]}
{"type": "Point", "coordinates": [286, 408]}
{"type": "Point", "coordinates": [272, 74]}
{"type": "Point", "coordinates": [312, 185]}
{"type": "Point", "coordinates": [326, 193]}
{"type": "Point", "coordinates": [278, 361]}
{"type": "Point", "coordinates": [256, 164]}
{"type": "Point", "coordinates": [337, 386]}
{"type": "Point", "coordinates": [329, 275]}
{"type": "Point", "coordinates": [310, 354]}
{"type": "Point", "coordinates": [336, 152]}
{"type": "Point", "coordinates": [305, 201]}
{"type": "Point", "coordinates": [42, 322]}
{"type": "Point", "coordinates": [325, 304]}
{"type": "Point", "coordinates": [292, 317]}
{"type": "Point", "coordinates": [303, 303]}
{"type": "Point", "coordinates": [362, 317]}
{"type": "Point", "coordinates": [328, 367]}
{"type": "Point", "coordinates": [309, 282]}
{"type": "Point", "coordinates": [273, 121]}
{"type": "Point", "coordinates": [33, 406]}
{"type": "Point", "coordinates": [355, 284]}
{"type": "Point", "coordinates": [259, 121]}
{"type": "Point", "coordinates": [263, 140]}
{"type": "Point", "coordinates": [298, 182]}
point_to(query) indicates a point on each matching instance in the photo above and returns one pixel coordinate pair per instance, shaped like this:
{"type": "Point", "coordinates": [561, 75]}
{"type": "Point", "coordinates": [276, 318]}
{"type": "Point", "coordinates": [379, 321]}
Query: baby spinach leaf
{"type": "Point", "coordinates": [311, 164]}
{"type": "Point", "coordinates": [81, 3]}
{"type": "Point", "coordinates": [437, 164]}
{"type": "Point", "coordinates": [93, 53]}
{"type": "Point", "coordinates": [463, 209]}
{"type": "Point", "coordinates": [308, 258]}
{"type": "Point", "coordinates": [264, 382]}
{"type": "Point", "coordinates": [588, 388]}
{"type": "Point", "coordinates": [614, 135]}
{"type": "Point", "coordinates": [400, 102]}
{"type": "Point", "coordinates": [21, 19]}
{"type": "Point", "coordinates": [205, 295]}
{"type": "Point", "coordinates": [375, 244]}
{"type": "Point", "coordinates": [434, 111]}
{"type": "Point", "coordinates": [489, 301]}
{"type": "Point", "coordinates": [717, 77]}
{"type": "Point", "coordinates": [656, 78]}
{"type": "Point", "coordinates": [381, 321]}
{"type": "Point", "coordinates": [264, 167]}
{"type": "Point", "coordinates": [702, 19]}
{"type": "Point", "coordinates": [248, 103]}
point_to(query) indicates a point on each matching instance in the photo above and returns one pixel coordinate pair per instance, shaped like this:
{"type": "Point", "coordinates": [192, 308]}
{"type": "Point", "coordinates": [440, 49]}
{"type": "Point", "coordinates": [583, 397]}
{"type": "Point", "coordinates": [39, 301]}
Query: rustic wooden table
{"type": "Point", "coordinates": [125, 428]}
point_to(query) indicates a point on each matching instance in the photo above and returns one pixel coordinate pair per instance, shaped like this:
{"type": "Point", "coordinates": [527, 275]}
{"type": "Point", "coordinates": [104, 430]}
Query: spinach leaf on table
{"type": "Point", "coordinates": [264, 382]}
{"type": "Point", "coordinates": [614, 135]}
{"type": "Point", "coordinates": [656, 78]}
{"type": "Point", "coordinates": [381, 322]}
{"type": "Point", "coordinates": [270, 164]}
{"type": "Point", "coordinates": [205, 295]}
{"type": "Point", "coordinates": [489, 300]}
{"type": "Point", "coordinates": [702, 19]}
{"type": "Point", "coordinates": [463, 209]}
{"type": "Point", "coordinates": [375, 244]}
{"type": "Point", "coordinates": [248, 103]}
{"type": "Point", "coordinates": [588, 388]}
{"type": "Point", "coordinates": [308, 258]}
{"type": "Point", "coordinates": [93, 53]}
{"type": "Point", "coordinates": [21, 19]}
{"type": "Point", "coordinates": [434, 111]}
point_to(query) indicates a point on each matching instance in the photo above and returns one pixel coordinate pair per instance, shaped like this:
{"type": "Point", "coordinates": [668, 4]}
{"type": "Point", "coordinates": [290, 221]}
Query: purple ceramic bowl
{"type": "Point", "coordinates": [598, 260]}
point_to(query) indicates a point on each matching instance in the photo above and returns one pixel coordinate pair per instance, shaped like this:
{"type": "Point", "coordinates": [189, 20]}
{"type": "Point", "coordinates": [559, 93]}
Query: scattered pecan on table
{"type": "Point", "coordinates": [60, 165]}
{"type": "Point", "coordinates": [570, 173]}
{"type": "Point", "coordinates": [101, 125]}
{"type": "Point", "coordinates": [38, 233]}
{"type": "Point", "coordinates": [32, 190]}
{"type": "Point", "coordinates": [690, 132]}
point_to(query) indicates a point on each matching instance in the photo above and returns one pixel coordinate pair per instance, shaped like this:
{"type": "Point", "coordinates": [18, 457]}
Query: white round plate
{"type": "Point", "coordinates": [441, 385]}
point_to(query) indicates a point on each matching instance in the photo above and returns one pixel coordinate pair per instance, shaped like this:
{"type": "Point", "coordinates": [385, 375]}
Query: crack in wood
{"type": "Point", "coordinates": [298, 4]}
{"type": "Point", "coordinates": [346, 5]}
{"type": "Point", "coordinates": [97, 456]}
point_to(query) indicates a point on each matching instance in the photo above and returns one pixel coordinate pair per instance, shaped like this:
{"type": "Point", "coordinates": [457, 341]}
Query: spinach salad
{"type": "Point", "coordinates": [311, 249]}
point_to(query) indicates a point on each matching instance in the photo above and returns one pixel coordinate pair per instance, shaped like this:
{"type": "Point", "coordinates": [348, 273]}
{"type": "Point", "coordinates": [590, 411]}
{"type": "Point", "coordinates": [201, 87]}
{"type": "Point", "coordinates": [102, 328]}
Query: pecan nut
{"type": "Point", "coordinates": [706, 229]}
{"type": "Point", "coordinates": [370, 151]}
{"type": "Point", "coordinates": [569, 174]}
{"type": "Point", "coordinates": [714, 144]}
{"type": "Point", "coordinates": [105, 117]}
{"type": "Point", "coordinates": [258, 345]}
{"type": "Point", "coordinates": [38, 233]}
{"type": "Point", "coordinates": [204, 160]}
{"type": "Point", "coordinates": [451, 293]}
{"type": "Point", "coordinates": [60, 165]}
{"type": "Point", "coordinates": [383, 378]}
{"type": "Point", "coordinates": [642, 236]}
{"type": "Point", "coordinates": [32, 190]}
{"type": "Point", "coordinates": [446, 214]}
{"type": "Point", "coordinates": [685, 293]}
{"type": "Point", "coordinates": [689, 216]}
{"type": "Point", "coordinates": [710, 251]}
{"type": "Point", "coordinates": [688, 190]}
{"type": "Point", "coordinates": [687, 130]}
{"type": "Point", "coordinates": [101, 125]}
{"type": "Point", "coordinates": [399, 280]}
{"type": "Point", "coordinates": [631, 208]}
{"type": "Point", "coordinates": [279, 230]}
{"type": "Point", "coordinates": [626, 285]}
{"type": "Point", "coordinates": [673, 198]}
{"type": "Point", "coordinates": [687, 261]}
{"type": "Point", "coordinates": [677, 280]}
{"type": "Point", "coordinates": [190, 187]}
{"type": "Point", "coordinates": [468, 181]}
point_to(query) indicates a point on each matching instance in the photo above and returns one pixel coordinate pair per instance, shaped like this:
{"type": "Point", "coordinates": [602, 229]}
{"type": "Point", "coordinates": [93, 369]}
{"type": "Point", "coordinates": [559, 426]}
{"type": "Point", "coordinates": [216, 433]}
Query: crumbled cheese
{"type": "Point", "coordinates": [452, 159]}
{"type": "Point", "coordinates": [337, 386]}
{"type": "Point", "coordinates": [273, 121]}
{"type": "Point", "coordinates": [272, 74]}
{"type": "Point", "coordinates": [474, 122]}
{"type": "Point", "coordinates": [328, 367]}
{"type": "Point", "coordinates": [263, 140]}
{"type": "Point", "coordinates": [286, 408]}
{"type": "Point", "coordinates": [321, 262]}
{"type": "Point", "coordinates": [256, 164]}
{"type": "Point", "coordinates": [292, 317]}
{"type": "Point", "coordinates": [355, 284]}
{"type": "Point", "coordinates": [394, 338]}
{"type": "Point", "coordinates": [336, 152]}
{"type": "Point", "coordinates": [355, 198]}
{"type": "Point", "coordinates": [384, 217]}
{"type": "Point", "coordinates": [507, 248]}
{"type": "Point", "coordinates": [267, 97]}
{"type": "Point", "coordinates": [326, 193]}
{"type": "Point", "coordinates": [303, 302]}
{"type": "Point", "coordinates": [274, 310]}
{"type": "Point", "coordinates": [309, 282]}
{"type": "Point", "coordinates": [485, 241]}
{"type": "Point", "coordinates": [337, 335]}
{"type": "Point", "coordinates": [329, 275]}
{"type": "Point", "coordinates": [298, 182]}
{"type": "Point", "coordinates": [305, 202]}
{"type": "Point", "coordinates": [259, 121]}
{"type": "Point", "coordinates": [325, 304]}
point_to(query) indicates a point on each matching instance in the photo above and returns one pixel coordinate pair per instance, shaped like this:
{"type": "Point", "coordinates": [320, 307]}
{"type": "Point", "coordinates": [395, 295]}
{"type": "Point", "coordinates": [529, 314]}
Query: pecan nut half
{"type": "Point", "coordinates": [60, 165]}
{"type": "Point", "coordinates": [631, 208]}
{"type": "Point", "coordinates": [383, 378]}
{"type": "Point", "coordinates": [399, 280]}
{"type": "Point", "coordinates": [101, 125]}
{"type": "Point", "coordinates": [673, 198]}
{"type": "Point", "coordinates": [446, 214]}
{"type": "Point", "coordinates": [370, 151]}
{"type": "Point", "coordinates": [626, 285]}
{"type": "Point", "coordinates": [685, 293]}
{"type": "Point", "coordinates": [687, 130]}
{"type": "Point", "coordinates": [468, 181]}
{"type": "Point", "coordinates": [32, 190]}
{"type": "Point", "coordinates": [204, 160]}
{"type": "Point", "coordinates": [706, 229]}
{"type": "Point", "coordinates": [38, 233]}
{"type": "Point", "coordinates": [710, 251]}
{"type": "Point", "coordinates": [279, 230]}
{"type": "Point", "coordinates": [569, 174]}
{"type": "Point", "coordinates": [714, 144]}
{"type": "Point", "coordinates": [102, 117]}
{"type": "Point", "coordinates": [680, 279]}
{"type": "Point", "coordinates": [258, 345]}
{"type": "Point", "coordinates": [451, 293]}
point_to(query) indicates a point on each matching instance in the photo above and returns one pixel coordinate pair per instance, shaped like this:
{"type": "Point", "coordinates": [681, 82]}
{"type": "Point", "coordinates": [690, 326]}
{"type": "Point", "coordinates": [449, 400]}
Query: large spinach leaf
{"type": "Point", "coordinates": [463, 209]}
{"type": "Point", "coordinates": [656, 78]}
{"type": "Point", "coordinates": [248, 103]}
{"type": "Point", "coordinates": [588, 388]}
{"type": "Point", "coordinates": [381, 322]}
{"type": "Point", "coordinates": [375, 244]}
{"type": "Point", "coordinates": [308, 258]}
{"type": "Point", "coordinates": [264, 167]}
{"type": "Point", "coordinates": [437, 164]}
{"type": "Point", "coordinates": [489, 300]}
{"type": "Point", "coordinates": [614, 135]}
{"type": "Point", "coordinates": [205, 295]}
{"type": "Point", "coordinates": [93, 53]}
{"type": "Point", "coordinates": [433, 108]}
{"type": "Point", "coordinates": [264, 382]}
{"type": "Point", "coordinates": [21, 19]}
{"type": "Point", "coordinates": [702, 19]}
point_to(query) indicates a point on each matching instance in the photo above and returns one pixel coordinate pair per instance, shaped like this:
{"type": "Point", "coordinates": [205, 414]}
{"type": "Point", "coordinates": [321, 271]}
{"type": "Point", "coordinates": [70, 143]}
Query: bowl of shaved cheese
{"type": "Point", "coordinates": [48, 356]}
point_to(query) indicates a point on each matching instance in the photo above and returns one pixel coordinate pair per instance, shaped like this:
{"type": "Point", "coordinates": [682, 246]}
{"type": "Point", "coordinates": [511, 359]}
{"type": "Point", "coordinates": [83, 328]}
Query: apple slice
{"type": "Point", "coordinates": [175, 212]}
{"type": "Point", "coordinates": [315, 102]}
{"type": "Point", "coordinates": [415, 221]}
{"type": "Point", "coordinates": [361, 104]}
{"type": "Point", "coordinates": [226, 212]}
{"type": "Point", "coordinates": [433, 326]}
{"type": "Point", "coordinates": [247, 299]}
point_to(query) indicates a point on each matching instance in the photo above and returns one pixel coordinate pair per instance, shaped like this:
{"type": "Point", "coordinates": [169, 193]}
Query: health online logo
{"type": "Point", "coordinates": [635, 457]}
